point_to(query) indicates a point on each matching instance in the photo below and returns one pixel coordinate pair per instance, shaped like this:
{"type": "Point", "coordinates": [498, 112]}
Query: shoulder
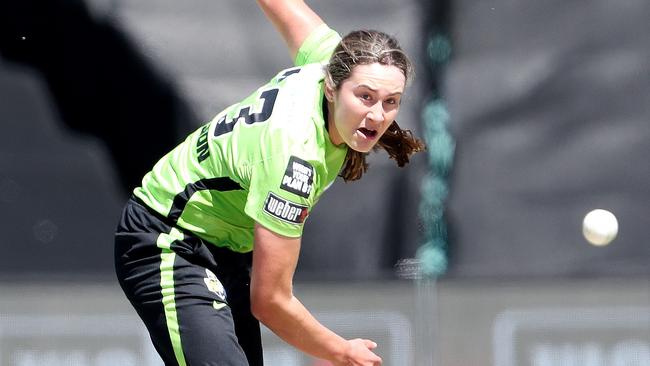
{"type": "Point", "coordinates": [318, 46]}
{"type": "Point", "coordinates": [298, 101]}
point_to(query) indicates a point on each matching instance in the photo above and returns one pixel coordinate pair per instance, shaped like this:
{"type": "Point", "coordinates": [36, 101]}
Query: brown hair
{"type": "Point", "coordinates": [367, 47]}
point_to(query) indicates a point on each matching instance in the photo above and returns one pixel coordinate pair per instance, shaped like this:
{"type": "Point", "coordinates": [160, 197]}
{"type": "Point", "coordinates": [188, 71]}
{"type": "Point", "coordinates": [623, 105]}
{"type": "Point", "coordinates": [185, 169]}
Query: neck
{"type": "Point", "coordinates": [330, 125]}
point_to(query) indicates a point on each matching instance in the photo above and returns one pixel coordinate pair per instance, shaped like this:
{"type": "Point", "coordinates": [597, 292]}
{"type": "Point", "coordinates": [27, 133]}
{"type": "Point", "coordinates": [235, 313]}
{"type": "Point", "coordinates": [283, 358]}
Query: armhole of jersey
{"type": "Point", "coordinates": [318, 46]}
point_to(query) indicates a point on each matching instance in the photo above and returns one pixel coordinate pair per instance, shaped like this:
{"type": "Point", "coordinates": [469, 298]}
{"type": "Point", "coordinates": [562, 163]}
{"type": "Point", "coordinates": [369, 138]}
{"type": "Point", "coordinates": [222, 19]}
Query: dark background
{"type": "Point", "coordinates": [549, 109]}
{"type": "Point", "coordinates": [550, 106]}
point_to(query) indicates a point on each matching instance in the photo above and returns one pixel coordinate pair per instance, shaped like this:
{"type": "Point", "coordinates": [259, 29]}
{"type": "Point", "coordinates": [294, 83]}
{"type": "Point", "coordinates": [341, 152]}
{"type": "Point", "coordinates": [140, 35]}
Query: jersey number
{"type": "Point", "coordinates": [245, 114]}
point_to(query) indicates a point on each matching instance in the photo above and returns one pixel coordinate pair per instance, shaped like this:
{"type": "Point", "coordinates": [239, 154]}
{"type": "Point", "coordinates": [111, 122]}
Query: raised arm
{"type": "Point", "coordinates": [273, 303]}
{"type": "Point", "coordinates": [293, 19]}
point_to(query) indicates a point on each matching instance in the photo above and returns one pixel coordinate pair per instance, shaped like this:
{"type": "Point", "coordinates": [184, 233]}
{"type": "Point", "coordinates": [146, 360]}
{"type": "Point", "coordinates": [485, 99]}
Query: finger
{"type": "Point", "coordinates": [370, 344]}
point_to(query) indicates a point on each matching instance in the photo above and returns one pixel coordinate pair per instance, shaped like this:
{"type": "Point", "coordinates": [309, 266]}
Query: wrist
{"type": "Point", "coordinates": [342, 353]}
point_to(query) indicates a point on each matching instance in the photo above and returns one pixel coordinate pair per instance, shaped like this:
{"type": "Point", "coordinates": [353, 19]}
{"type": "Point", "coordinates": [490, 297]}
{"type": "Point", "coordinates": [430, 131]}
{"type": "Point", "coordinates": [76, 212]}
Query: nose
{"type": "Point", "coordinates": [376, 113]}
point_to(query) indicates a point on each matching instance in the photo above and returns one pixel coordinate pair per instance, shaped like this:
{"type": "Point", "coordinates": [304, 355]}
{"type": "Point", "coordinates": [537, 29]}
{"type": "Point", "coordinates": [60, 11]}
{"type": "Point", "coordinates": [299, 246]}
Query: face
{"type": "Point", "coordinates": [365, 104]}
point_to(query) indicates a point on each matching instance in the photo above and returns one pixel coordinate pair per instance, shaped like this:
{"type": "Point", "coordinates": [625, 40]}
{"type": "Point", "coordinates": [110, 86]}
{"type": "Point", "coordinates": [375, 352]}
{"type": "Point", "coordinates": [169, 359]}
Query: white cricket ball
{"type": "Point", "coordinates": [599, 227]}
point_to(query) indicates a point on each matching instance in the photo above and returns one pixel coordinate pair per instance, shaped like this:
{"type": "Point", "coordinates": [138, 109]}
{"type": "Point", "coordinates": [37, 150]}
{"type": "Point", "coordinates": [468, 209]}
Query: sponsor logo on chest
{"type": "Point", "coordinates": [285, 210]}
{"type": "Point", "coordinates": [298, 177]}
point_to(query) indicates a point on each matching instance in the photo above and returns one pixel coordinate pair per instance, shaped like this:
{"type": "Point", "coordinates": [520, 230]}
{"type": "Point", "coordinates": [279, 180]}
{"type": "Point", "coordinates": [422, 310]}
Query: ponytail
{"type": "Point", "coordinates": [399, 144]}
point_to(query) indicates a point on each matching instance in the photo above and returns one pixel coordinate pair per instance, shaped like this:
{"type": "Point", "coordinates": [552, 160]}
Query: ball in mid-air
{"type": "Point", "coordinates": [599, 227]}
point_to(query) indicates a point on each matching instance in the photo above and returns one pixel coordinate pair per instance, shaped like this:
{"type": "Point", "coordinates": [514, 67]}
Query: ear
{"type": "Point", "coordinates": [329, 92]}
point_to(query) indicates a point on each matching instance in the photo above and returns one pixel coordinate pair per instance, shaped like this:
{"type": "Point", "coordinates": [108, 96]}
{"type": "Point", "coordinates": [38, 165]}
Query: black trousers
{"type": "Point", "coordinates": [193, 296]}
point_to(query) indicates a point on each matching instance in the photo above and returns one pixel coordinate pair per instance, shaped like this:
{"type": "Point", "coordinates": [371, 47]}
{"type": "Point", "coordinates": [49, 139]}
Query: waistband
{"type": "Point", "coordinates": [156, 214]}
{"type": "Point", "coordinates": [221, 254]}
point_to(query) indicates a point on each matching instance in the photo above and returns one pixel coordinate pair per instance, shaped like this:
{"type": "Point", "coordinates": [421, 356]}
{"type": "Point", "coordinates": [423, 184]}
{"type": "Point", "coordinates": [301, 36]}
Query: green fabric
{"type": "Point", "coordinates": [253, 144]}
{"type": "Point", "coordinates": [167, 257]}
{"type": "Point", "coordinates": [318, 46]}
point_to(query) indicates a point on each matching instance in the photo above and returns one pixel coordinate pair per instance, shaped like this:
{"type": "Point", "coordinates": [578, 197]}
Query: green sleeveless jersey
{"type": "Point", "coordinates": [266, 159]}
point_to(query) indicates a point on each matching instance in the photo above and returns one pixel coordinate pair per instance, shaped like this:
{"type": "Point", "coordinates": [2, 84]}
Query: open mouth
{"type": "Point", "coordinates": [368, 133]}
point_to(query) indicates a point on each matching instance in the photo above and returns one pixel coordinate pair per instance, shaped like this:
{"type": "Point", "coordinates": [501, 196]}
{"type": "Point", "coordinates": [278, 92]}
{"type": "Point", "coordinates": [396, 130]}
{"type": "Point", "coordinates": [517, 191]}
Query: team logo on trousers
{"type": "Point", "coordinates": [298, 177]}
{"type": "Point", "coordinates": [284, 210]}
{"type": "Point", "coordinates": [214, 285]}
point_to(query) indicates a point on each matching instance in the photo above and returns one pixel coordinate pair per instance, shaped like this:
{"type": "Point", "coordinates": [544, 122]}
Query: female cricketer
{"type": "Point", "coordinates": [207, 246]}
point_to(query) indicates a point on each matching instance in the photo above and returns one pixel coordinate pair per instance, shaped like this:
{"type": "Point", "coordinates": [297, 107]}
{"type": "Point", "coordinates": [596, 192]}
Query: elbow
{"type": "Point", "coordinates": [258, 309]}
{"type": "Point", "coordinates": [261, 307]}
{"type": "Point", "coordinates": [265, 308]}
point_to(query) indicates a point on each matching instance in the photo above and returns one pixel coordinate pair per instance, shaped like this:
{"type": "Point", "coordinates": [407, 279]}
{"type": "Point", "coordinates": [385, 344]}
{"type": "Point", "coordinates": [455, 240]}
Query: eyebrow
{"type": "Point", "coordinates": [375, 90]}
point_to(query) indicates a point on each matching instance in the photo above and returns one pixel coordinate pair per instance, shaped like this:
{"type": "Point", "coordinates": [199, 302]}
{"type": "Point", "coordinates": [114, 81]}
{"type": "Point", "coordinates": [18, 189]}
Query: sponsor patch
{"type": "Point", "coordinates": [298, 177]}
{"type": "Point", "coordinates": [285, 210]}
{"type": "Point", "coordinates": [214, 285]}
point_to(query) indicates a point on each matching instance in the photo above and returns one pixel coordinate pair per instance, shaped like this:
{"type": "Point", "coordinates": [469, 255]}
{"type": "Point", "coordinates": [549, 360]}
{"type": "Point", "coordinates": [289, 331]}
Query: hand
{"type": "Point", "coordinates": [359, 354]}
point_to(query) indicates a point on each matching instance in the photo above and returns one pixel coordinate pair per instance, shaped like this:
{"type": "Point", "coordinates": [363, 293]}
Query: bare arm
{"type": "Point", "coordinates": [273, 303]}
{"type": "Point", "coordinates": [293, 19]}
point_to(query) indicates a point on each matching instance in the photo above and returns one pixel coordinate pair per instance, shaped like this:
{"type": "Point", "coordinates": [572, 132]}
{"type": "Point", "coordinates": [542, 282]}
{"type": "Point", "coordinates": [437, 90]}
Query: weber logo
{"type": "Point", "coordinates": [298, 177]}
{"type": "Point", "coordinates": [285, 210]}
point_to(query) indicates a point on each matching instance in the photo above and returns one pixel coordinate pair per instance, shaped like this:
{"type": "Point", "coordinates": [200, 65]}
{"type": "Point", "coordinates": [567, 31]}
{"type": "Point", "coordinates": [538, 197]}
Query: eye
{"type": "Point", "coordinates": [366, 96]}
{"type": "Point", "coordinates": [392, 102]}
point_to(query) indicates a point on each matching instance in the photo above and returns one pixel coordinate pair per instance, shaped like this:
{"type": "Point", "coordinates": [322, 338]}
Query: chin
{"type": "Point", "coordinates": [362, 144]}
{"type": "Point", "coordinates": [362, 149]}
